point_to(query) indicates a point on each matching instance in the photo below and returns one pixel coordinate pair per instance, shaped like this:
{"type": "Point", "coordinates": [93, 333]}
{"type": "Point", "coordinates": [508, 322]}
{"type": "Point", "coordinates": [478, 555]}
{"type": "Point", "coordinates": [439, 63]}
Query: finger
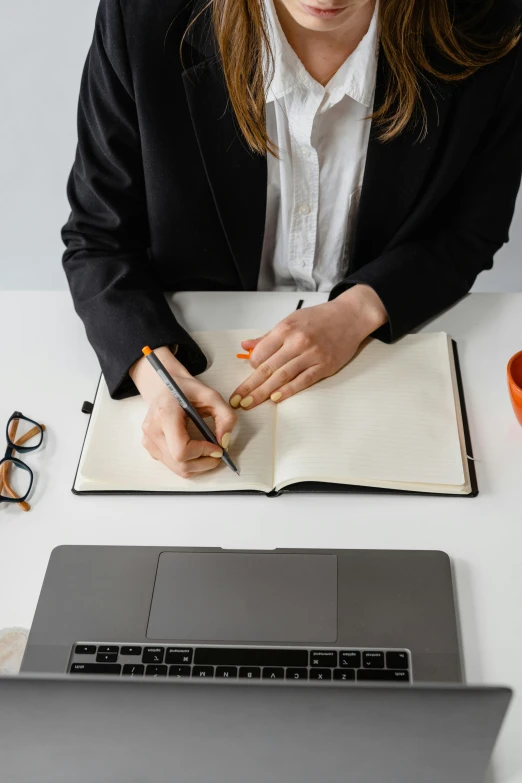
{"type": "Point", "coordinates": [153, 439]}
{"type": "Point", "coordinates": [266, 347]}
{"type": "Point", "coordinates": [224, 420]}
{"type": "Point", "coordinates": [191, 468]}
{"type": "Point", "coordinates": [195, 466]}
{"type": "Point", "coordinates": [151, 427]}
{"type": "Point", "coordinates": [249, 345]}
{"type": "Point", "coordinates": [154, 450]}
{"type": "Point", "coordinates": [302, 381]}
{"type": "Point", "coordinates": [197, 448]}
{"type": "Point", "coordinates": [179, 444]}
{"type": "Point", "coordinates": [264, 372]}
{"type": "Point", "coordinates": [281, 377]}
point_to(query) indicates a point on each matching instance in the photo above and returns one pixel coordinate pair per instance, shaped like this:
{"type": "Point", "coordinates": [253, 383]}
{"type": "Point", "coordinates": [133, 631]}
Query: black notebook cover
{"type": "Point", "coordinates": [321, 486]}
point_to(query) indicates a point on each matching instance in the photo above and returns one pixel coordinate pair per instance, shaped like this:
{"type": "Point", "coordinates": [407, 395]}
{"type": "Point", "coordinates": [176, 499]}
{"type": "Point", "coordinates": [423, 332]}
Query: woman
{"type": "Point", "coordinates": [223, 146]}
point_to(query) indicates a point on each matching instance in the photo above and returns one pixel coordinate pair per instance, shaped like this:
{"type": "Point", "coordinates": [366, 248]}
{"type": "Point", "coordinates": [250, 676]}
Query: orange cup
{"type": "Point", "coordinates": [514, 373]}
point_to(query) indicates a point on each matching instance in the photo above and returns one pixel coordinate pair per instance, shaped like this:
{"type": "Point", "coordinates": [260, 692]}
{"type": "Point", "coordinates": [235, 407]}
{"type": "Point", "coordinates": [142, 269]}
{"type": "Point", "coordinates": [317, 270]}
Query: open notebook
{"type": "Point", "coordinates": [391, 419]}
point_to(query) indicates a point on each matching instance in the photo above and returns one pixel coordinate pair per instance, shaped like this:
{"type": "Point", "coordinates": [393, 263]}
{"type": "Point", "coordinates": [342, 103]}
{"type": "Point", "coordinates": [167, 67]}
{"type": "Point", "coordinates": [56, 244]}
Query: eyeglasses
{"type": "Point", "coordinates": [16, 478]}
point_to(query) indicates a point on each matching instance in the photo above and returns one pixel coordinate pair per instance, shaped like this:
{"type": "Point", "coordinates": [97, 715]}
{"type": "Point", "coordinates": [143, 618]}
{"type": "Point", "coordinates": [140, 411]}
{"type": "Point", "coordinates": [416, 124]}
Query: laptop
{"type": "Point", "coordinates": [118, 730]}
{"type": "Point", "coordinates": [207, 664]}
{"type": "Point", "coordinates": [348, 615]}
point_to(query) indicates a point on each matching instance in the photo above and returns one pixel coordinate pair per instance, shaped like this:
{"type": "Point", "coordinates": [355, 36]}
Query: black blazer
{"type": "Point", "coordinates": [165, 195]}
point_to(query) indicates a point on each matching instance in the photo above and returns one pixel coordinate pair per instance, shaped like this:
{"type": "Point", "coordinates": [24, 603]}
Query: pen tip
{"type": "Point", "coordinates": [237, 472]}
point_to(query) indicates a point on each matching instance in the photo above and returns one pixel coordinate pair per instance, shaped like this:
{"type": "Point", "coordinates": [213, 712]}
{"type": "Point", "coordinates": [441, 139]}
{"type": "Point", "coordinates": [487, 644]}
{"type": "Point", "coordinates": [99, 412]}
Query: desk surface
{"type": "Point", "coordinates": [53, 370]}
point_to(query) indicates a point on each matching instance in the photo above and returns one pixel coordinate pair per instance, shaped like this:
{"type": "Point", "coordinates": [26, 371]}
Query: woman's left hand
{"type": "Point", "coordinates": [309, 345]}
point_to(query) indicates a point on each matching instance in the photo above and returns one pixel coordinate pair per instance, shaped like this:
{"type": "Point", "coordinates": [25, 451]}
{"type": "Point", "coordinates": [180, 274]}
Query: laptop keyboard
{"type": "Point", "coordinates": [243, 663]}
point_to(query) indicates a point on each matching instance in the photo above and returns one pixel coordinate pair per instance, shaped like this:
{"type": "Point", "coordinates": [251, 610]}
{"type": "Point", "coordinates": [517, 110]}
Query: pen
{"type": "Point", "coordinates": [186, 405]}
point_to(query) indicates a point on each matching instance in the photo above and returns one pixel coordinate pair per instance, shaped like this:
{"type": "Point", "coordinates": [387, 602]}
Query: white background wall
{"type": "Point", "coordinates": [42, 51]}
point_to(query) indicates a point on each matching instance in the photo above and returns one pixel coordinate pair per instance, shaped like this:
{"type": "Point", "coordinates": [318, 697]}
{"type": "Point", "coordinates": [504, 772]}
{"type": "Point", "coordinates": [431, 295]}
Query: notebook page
{"type": "Point", "coordinates": [388, 418]}
{"type": "Point", "coordinates": [114, 459]}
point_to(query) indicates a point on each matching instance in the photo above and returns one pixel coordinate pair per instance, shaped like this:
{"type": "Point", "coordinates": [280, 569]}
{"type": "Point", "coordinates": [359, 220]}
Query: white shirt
{"type": "Point", "coordinates": [313, 189]}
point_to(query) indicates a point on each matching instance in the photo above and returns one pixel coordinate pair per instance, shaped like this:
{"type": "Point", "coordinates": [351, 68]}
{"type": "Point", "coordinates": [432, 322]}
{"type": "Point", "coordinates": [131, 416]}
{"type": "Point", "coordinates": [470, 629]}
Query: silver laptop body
{"type": "Point", "coordinates": [233, 666]}
{"type": "Point", "coordinates": [369, 613]}
{"type": "Point", "coordinates": [182, 731]}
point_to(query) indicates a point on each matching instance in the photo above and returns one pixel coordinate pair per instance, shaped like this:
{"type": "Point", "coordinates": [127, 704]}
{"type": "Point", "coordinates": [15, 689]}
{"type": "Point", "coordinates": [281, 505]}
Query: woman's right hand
{"type": "Point", "coordinates": [165, 434]}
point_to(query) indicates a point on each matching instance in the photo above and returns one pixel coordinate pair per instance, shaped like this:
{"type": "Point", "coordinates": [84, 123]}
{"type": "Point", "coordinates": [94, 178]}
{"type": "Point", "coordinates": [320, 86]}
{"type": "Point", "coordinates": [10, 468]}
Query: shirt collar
{"type": "Point", "coordinates": [355, 77]}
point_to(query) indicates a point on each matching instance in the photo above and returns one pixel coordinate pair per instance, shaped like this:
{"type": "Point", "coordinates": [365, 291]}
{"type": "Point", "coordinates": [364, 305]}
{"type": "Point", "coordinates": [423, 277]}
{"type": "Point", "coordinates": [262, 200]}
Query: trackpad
{"type": "Point", "coordinates": [238, 597]}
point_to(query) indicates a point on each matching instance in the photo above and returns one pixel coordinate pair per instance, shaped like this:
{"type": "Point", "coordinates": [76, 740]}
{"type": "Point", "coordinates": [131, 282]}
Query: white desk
{"type": "Point", "coordinates": [53, 370]}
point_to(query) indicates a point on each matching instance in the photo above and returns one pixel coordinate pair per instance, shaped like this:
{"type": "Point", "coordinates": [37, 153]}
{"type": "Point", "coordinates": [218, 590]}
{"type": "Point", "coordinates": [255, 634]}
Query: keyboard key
{"type": "Point", "coordinates": [131, 651]}
{"type": "Point", "coordinates": [250, 672]}
{"type": "Point", "coordinates": [235, 656]}
{"type": "Point", "coordinates": [320, 674]}
{"type": "Point", "coordinates": [323, 658]}
{"type": "Point", "coordinates": [297, 674]}
{"type": "Point", "coordinates": [228, 672]}
{"type": "Point", "coordinates": [373, 660]}
{"type": "Point", "coordinates": [345, 675]}
{"type": "Point", "coordinates": [85, 649]}
{"type": "Point", "coordinates": [202, 671]}
{"type": "Point", "coordinates": [397, 660]}
{"type": "Point", "coordinates": [178, 655]}
{"type": "Point", "coordinates": [133, 669]}
{"type": "Point", "coordinates": [95, 668]}
{"type": "Point", "coordinates": [156, 671]}
{"type": "Point", "coordinates": [351, 659]}
{"type": "Point", "coordinates": [153, 655]}
{"type": "Point", "coordinates": [383, 675]}
{"type": "Point", "coordinates": [273, 673]}
{"type": "Point", "coordinates": [179, 671]}
{"type": "Point", "coordinates": [107, 657]}
{"type": "Point", "coordinates": [108, 648]}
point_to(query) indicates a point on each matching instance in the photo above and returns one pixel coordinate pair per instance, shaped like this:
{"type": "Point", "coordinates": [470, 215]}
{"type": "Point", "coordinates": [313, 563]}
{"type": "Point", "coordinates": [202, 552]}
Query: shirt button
{"type": "Point", "coordinates": [305, 152]}
{"type": "Point", "coordinates": [304, 209]}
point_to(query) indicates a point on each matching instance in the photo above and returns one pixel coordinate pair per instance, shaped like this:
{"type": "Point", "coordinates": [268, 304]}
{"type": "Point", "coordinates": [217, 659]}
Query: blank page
{"type": "Point", "coordinates": [114, 459]}
{"type": "Point", "coordinates": [387, 419]}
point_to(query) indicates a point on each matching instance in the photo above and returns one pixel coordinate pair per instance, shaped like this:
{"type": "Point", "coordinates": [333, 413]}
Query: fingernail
{"type": "Point", "coordinates": [246, 402]}
{"type": "Point", "coordinates": [225, 440]}
{"type": "Point", "coordinates": [276, 396]}
{"type": "Point", "coordinates": [216, 454]}
{"type": "Point", "coordinates": [235, 401]}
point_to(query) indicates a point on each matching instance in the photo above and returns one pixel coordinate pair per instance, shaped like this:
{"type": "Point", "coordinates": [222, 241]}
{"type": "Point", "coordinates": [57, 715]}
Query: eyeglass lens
{"type": "Point", "coordinates": [15, 481]}
{"type": "Point", "coordinates": [24, 433]}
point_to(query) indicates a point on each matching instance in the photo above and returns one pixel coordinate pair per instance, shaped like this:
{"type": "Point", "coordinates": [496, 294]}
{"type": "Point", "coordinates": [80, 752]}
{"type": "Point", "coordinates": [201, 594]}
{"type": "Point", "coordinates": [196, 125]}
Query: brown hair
{"type": "Point", "coordinates": [411, 32]}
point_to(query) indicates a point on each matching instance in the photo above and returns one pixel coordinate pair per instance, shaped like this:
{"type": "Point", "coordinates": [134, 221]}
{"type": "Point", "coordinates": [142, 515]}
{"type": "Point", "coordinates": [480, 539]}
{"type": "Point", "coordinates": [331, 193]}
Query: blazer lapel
{"type": "Point", "coordinates": [237, 176]}
{"type": "Point", "coordinates": [397, 174]}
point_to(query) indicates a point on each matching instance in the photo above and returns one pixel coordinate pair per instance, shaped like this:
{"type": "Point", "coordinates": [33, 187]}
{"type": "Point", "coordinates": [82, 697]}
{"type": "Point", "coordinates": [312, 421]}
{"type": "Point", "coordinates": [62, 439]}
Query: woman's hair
{"type": "Point", "coordinates": [415, 36]}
